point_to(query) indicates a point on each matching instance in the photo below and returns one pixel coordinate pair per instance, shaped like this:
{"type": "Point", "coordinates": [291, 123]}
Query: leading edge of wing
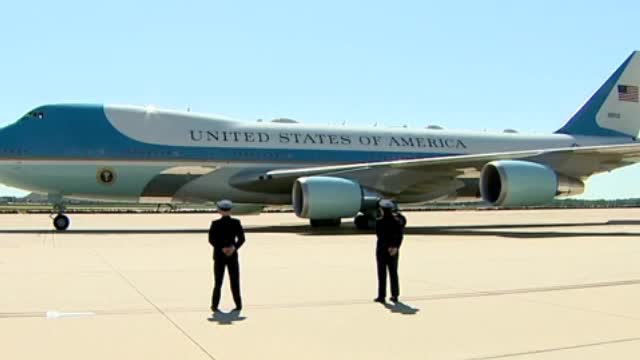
{"type": "Point", "coordinates": [460, 160]}
{"type": "Point", "coordinates": [404, 163]}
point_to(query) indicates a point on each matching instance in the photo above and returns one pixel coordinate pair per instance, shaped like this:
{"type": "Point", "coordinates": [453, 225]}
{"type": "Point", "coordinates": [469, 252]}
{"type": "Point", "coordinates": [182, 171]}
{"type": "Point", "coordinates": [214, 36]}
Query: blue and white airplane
{"type": "Point", "coordinates": [143, 154]}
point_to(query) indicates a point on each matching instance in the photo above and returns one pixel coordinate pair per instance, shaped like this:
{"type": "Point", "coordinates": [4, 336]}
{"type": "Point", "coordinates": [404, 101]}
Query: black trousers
{"type": "Point", "coordinates": [386, 263]}
{"type": "Point", "coordinates": [219, 264]}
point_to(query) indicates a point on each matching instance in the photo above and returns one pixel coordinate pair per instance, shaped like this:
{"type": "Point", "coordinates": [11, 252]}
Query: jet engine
{"type": "Point", "coordinates": [524, 183]}
{"type": "Point", "coordinates": [325, 197]}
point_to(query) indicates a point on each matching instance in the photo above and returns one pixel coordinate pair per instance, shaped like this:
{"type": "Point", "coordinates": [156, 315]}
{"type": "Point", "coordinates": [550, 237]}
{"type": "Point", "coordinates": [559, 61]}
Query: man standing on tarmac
{"type": "Point", "coordinates": [226, 236]}
{"type": "Point", "coordinates": [389, 233]}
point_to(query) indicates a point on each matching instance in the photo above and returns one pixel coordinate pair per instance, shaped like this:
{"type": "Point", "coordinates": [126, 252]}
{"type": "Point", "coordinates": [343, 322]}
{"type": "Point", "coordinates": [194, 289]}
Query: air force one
{"type": "Point", "coordinates": [143, 154]}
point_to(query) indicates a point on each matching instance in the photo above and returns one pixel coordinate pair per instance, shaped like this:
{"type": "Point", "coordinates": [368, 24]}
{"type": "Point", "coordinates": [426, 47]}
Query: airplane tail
{"type": "Point", "coordinates": [614, 110]}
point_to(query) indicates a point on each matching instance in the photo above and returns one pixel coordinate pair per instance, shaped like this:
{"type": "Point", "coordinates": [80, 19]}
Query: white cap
{"type": "Point", "coordinates": [386, 204]}
{"type": "Point", "coordinates": [224, 205]}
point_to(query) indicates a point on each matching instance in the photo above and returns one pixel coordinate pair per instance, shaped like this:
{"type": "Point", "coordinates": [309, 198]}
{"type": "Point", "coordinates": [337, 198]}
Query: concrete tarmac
{"type": "Point", "coordinates": [538, 284]}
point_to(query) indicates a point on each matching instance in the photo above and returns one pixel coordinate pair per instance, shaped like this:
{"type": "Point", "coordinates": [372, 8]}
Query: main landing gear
{"type": "Point", "coordinates": [365, 221]}
{"type": "Point", "coordinates": [61, 222]}
{"type": "Point", "coordinates": [362, 221]}
{"type": "Point", "coordinates": [316, 223]}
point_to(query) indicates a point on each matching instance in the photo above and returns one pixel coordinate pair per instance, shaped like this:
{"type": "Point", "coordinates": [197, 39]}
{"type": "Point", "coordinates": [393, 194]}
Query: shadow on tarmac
{"type": "Point", "coordinates": [401, 308]}
{"type": "Point", "coordinates": [223, 318]}
{"type": "Point", "coordinates": [501, 230]}
{"type": "Point", "coordinates": [105, 231]}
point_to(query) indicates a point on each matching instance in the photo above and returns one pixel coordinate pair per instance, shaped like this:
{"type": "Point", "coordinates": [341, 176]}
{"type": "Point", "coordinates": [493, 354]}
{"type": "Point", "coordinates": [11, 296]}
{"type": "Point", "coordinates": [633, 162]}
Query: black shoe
{"type": "Point", "coordinates": [394, 299]}
{"type": "Point", "coordinates": [379, 299]}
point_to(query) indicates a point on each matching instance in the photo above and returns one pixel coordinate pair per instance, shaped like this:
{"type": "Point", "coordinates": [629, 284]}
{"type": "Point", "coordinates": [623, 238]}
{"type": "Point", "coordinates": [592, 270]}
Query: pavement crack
{"type": "Point", "coordinates": [563, 348]}
{"type": "Point", "coordinates": [350, 302]}
{"type": "Point", "coordinates": [157, 308]}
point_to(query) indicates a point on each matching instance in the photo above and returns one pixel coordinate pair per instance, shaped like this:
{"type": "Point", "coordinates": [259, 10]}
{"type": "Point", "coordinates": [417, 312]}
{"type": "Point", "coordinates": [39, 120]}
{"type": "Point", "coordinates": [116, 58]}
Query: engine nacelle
{"type": "Point", "coordinates": [324, 197]}
{"type": "Point", "coordinates": [524, 183]}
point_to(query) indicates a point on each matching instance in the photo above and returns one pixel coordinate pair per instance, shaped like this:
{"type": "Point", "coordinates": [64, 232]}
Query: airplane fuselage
{"type": "Point", "coordinates": [143, 154]}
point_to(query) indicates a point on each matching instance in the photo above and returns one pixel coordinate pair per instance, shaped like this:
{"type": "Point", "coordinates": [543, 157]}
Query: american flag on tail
{"type": "Point", "coordinates": [628, 93]}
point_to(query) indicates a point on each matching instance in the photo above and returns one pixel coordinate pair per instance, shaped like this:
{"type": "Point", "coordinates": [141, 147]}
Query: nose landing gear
{"type": "Point", "coordinates": [61, 222]}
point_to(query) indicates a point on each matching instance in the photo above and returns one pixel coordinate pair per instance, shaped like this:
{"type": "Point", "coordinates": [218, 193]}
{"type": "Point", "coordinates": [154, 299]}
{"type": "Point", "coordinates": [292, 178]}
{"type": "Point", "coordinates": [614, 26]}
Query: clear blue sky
{"type": "Point", "coordinates": [464, 65]}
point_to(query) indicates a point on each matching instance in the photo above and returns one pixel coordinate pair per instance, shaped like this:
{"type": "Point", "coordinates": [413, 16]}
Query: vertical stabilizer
{"type": "Point", "coordinates": [614, 110]}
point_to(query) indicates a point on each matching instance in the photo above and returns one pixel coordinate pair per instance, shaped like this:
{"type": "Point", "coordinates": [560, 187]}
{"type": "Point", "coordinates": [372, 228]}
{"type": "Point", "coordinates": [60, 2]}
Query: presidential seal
{"type": "Point", "coordinates": [106, 176]}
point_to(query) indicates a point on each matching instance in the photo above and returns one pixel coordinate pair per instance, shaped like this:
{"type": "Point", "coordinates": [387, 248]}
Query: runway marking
{"type": "Point", "coordinates": [564, 348]}
{"type": "Point", "coordinates": [460, 295]}
{"type": "Point", "coordinates": [52, 314]}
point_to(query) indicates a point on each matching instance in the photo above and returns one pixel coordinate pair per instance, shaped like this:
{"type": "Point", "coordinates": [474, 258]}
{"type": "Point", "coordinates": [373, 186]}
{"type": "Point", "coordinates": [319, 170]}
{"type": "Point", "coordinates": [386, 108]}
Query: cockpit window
{"type": "Point", "coordinates": [36, 114]}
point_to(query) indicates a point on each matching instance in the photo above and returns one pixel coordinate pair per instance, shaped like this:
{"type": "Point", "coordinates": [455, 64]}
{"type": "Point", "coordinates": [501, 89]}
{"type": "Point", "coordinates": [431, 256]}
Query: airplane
{"type": "Point", "coordinates": [327, 173]}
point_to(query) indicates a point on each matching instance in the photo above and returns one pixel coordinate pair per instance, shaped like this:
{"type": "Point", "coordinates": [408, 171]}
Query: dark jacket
{"type": "Point", "coordinates": [225, 232]}
{"type": "Point", "coordinates": [389, 233]}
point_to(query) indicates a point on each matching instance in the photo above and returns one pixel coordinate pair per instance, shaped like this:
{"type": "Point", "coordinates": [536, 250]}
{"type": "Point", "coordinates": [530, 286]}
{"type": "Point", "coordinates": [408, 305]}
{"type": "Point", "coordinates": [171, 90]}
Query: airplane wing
{"type": "Point", "coordinates": [438, 174]}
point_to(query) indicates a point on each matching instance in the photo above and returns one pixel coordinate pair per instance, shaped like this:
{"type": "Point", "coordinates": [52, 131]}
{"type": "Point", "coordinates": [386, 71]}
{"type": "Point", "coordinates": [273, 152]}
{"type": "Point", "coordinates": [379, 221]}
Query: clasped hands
{"type": "Point", "coordinates": [229, 250]}
{"type": "Point", "coordinates": [393, 251]}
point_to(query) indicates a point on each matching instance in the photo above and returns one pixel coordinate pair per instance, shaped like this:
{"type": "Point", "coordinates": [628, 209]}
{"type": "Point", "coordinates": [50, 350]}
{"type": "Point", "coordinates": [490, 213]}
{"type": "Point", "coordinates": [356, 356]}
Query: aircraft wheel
{"type": "Point", "coordinates": [61, 222]}
{"type": "Point", "coordinates": [364, 222]}
{"type": "Point", "coordinates": [325, 222]}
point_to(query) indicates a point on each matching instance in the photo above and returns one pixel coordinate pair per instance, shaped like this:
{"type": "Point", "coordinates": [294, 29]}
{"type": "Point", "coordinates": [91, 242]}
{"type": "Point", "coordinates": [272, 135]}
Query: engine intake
{"type": "Point", "coordinates": [524, 183]}
{"type": "Point", "coordinates": [325, 197]}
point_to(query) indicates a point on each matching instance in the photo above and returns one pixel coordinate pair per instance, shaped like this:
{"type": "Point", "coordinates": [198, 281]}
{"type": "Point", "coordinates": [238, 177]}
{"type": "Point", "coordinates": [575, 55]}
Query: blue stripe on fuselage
{"type": "Point", "coordinates": [83, 132]}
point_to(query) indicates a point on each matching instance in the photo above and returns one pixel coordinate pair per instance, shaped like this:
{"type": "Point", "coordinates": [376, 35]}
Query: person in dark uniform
{"type": "Point", "coordinates": [389, 232]}
{"type": "Point", "coordinates": [226, 236]}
